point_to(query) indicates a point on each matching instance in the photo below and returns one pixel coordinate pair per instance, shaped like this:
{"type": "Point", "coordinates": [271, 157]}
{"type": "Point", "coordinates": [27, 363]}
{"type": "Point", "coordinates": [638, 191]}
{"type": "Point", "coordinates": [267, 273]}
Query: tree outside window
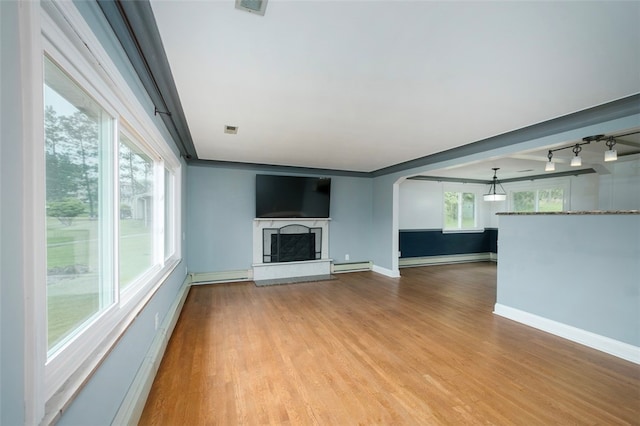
{"type": "Point", "coordinates": [77, 134]}
{"type": "Point", "coordinates": [538, 200]}
{"type": "Point", "coordinates": [460, 210]}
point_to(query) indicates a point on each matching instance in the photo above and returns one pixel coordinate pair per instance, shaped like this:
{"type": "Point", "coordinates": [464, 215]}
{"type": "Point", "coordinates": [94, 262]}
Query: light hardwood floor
{"type": "Point", "coordinates": [366, 349]}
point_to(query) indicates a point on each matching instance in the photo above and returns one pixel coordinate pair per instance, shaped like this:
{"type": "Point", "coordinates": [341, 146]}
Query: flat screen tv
{"type": "Point", "coordinates": [292, 196]}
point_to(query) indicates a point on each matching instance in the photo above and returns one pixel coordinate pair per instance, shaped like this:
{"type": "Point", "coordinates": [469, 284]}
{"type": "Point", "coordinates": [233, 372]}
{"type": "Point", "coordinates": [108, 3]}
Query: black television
{"type": "Point", "coordinates": [292, 196]}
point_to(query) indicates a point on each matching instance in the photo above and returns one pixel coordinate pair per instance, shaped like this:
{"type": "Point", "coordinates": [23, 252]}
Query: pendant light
{"type": "Point", "coordinates": [550, 166]}
{"type": "Point", "coordinates": [611, 154]}
{"type": "Point", "coordinates": [577, 160]}
{"type": "Point", "coordinates": [493, 195]}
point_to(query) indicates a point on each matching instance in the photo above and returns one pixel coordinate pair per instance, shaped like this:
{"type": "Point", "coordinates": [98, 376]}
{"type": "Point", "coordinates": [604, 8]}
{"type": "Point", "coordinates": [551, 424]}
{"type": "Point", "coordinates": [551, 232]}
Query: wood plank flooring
{"type": "Point", "coordinates": [366, 349]}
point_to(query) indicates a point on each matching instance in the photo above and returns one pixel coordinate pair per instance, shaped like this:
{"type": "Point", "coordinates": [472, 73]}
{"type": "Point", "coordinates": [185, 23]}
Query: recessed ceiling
{"type": "Point", "coordinates": [363, 85]}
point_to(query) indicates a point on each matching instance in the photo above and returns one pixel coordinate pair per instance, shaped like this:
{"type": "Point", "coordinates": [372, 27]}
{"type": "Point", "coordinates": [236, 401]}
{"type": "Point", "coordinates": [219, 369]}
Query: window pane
{"type": "Point", "coordinates": [550, 200]}
{"type": "Point", "coordinates": [77, 136]}
{"type": "Point", "coordinates": [468, 210]}
{"type": "Point", "coordinates": [450, 210]}
{"type": "Point", "coordinates": [136, 212]}
{"type": "Point", "coordinates": [524, 201]}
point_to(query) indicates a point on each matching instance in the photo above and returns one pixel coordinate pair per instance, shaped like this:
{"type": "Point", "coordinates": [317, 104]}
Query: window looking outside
{"type": "Point", "coordinates": [538, 200]}
{"type": "Point", "coordinates": [99, 151]}
{"type": "Point", "coordinates": [90, 193]}
{"type": "Point", "coordinates": [460, 210]}
{"type": "Point", "coordinates": [136, 212]}
{"type": "Point", "coordinates": [77, 137]}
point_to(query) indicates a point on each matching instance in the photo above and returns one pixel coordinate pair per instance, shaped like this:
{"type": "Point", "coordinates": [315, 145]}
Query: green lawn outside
{"type": "Point", "coordinates": [73, 289]}
{"type": "Point", "coordinates": [553, 205]}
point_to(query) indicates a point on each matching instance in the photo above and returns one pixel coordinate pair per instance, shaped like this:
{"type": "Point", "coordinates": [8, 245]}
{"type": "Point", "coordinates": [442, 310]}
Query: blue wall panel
{"type": "Point", "coordinates": [433, 242]}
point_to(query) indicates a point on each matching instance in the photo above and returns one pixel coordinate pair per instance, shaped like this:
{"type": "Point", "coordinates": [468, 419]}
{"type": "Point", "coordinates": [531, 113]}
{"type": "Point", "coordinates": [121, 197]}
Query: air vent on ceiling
{"type": "Point", "coordinates": [254, 6]}
{"type": "Point", "coordinates": [232, 130]}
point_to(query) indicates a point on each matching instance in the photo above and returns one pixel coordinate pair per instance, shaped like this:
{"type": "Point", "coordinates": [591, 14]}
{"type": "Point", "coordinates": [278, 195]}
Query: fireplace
{"type": "Point", "coordinates": [290, 248]}
{"type": "Point", "coordinates": [291, 243]}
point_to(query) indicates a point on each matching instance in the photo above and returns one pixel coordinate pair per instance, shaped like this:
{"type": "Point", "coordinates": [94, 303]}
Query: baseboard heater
{"type": "Point", "coordinates": [339, 268]}
{"type": "Point", "coordinates": [409, 262]}
{"type": "Point", "coordinates": [221, 276]}
{"type": "Point", "coordinates": [132, 406]}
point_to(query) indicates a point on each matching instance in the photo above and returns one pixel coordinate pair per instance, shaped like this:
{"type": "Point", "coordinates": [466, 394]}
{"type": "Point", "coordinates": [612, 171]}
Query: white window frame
{"type": "Point", "coordinates": [460, 189]}
{"type": "Point", "coordinates": [58, 30]}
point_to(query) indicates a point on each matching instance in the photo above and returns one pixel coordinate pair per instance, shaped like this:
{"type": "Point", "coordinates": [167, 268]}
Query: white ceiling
{"type": "Point", "coordinates": [362, 85]}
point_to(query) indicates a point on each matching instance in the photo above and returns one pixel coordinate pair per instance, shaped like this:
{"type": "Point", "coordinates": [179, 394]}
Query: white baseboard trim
{"type": "Point", "coordinates": [410, 262]}
{"type": "Point", "coordinates": [384, 271]}
{"type": "Point", "coordinates": [605, 344]}
{"type": "Point", "coordinates": [341, 268]}
{"type": "Point", "coordinates": [133, 403]}
{"type": "Point", "coordinates": [221, 276]}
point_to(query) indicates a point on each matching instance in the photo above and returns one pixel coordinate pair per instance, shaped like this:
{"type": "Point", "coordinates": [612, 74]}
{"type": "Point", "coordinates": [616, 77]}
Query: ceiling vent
{"type": "Point", "coordinates": [232, 130]}
{"type": "Point", "coordinates": [253, 6]}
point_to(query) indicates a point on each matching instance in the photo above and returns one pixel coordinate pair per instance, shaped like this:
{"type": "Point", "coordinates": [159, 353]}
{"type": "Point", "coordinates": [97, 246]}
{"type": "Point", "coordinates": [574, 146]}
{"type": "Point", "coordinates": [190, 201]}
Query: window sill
{"type": "Point", "coordinates": [463, 231]}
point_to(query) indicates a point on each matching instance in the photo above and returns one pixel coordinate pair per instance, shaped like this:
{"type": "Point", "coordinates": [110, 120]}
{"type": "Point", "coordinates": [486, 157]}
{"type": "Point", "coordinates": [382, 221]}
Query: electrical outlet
{"type": "Point", "coordinates": [346, 257]}
{"type": "Point", "coordinates": [157, 320]}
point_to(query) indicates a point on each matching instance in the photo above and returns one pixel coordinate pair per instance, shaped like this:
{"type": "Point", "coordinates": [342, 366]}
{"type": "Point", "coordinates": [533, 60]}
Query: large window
{"type": "Point", "coordinates": [110, 215]}
{"type": "Point", "coordinates": [460, 211]}
{"type": "Point", "coordinates": [538, 200]}
{"type": "Point", "coordinates": [77, 142]}
{"type": "Point", "coordinates": [106, 191]}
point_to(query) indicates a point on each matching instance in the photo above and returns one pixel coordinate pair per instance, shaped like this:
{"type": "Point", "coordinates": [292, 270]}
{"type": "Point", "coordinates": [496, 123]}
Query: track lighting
{"type": "Point", "coordinates": [609, 155]}
{"type": "Point", "coordinates": [493, 195]}
{"type": "Point", "coordinates": [577, 160]}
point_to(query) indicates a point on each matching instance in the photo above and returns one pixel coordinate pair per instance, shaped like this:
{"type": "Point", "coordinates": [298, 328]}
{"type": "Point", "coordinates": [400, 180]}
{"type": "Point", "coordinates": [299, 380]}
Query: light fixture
{"type": "Point", "coordinates": [493, 195]}
{"type": "Point", "coordinates": [550, 166]}
{"type": "Point", "coordinates": [611, 154]}
{"type": "Point", "coordinates": [577, 160]}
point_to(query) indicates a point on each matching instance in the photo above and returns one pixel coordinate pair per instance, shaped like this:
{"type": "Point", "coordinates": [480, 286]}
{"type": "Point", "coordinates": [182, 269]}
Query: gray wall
{"type": "Point", "coordinates": [221, 209]}
{"type": "Point", "coordinates": [577, 270]}
{"type": "Point", "coordinates": [351, 226]}
{"type": "Point", "coordinates": [384, 254]}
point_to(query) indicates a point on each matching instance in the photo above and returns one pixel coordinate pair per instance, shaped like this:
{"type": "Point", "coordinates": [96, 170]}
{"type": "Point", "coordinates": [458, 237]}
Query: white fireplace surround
{"type": "Point", "coordinates": [284, 270]}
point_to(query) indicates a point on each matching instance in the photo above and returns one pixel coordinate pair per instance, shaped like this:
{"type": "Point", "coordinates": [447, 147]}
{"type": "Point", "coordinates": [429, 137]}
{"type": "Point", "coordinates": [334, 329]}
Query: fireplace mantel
{"type": "Point", "coordinates": [274, 270]}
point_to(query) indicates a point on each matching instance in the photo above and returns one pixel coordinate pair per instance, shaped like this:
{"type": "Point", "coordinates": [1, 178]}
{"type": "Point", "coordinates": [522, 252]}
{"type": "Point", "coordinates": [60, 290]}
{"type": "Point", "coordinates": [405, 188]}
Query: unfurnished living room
{"type": "Point", "coordinates": [319, 212]}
